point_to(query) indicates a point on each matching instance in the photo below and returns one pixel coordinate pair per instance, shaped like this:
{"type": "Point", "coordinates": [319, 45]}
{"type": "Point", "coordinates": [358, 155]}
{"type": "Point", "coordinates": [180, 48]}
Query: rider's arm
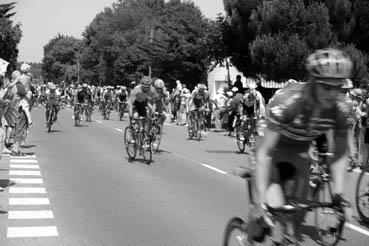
{"type": "Point", "coordinates": [339, 161]}
{"type": "Point", "coordinates": [131, 100]}
{"type": "Point", "coordinates": [264, 163]}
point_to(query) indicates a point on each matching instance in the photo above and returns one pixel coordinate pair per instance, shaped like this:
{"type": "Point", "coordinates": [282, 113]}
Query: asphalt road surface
{"type": "Point", "coordinates": [80, 189]}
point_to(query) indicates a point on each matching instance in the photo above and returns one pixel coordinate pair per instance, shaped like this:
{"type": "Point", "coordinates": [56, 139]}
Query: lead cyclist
{"type": "Point", "coordinates": [296, 115]}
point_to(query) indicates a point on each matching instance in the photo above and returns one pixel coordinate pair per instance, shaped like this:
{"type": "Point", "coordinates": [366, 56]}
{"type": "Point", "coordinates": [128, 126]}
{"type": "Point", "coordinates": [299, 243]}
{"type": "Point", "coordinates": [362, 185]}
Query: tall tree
{"type": "Point", "coordinates": [10, 36]}
{"type": "Point", "coordinates": [61, 59]}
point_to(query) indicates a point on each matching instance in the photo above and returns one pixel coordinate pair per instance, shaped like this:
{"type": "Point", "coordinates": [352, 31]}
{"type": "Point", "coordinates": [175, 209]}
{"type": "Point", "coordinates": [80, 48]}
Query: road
{"type": "Point", "coordinates": [90, 194]}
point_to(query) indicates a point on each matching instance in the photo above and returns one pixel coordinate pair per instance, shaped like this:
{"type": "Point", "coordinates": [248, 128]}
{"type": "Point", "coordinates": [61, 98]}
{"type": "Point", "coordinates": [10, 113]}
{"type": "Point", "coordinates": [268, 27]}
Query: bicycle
{"type": "Point", "coordinates": [362, 194]}
{"type": "Point", "coordinates": [50, 119]}
{"type": "Point", "coordinates": [122, 109]}
{"type": "Point", "coordinates": [237, 229]}
{"type": "Point", "coordinates": [77, 116]}
{"type": "Point", "coordinates": [246, 133]}
{"type": "Point", "coordinates": [135, 138]}
{"type": "Point", "coordinates": [156, 130]}
{"type": "Point", "coordinates": [196, 123]}
{"type": "Point", "coordinates": [107, 110]}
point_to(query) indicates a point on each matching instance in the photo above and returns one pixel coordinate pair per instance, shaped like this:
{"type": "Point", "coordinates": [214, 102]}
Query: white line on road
{"type": "Point", "coordinates": [42, 214]}
{"type": "Point", "coordinates": [358, 229]}
{"type": "Point", "coordinates": [214, 169]}
{"type": "Point", "coordinates": [27, 190]}
{"type": "Point", "coordinates": [24, 157]}
{"type": "Point", "coordinates": [29, 201]}
{"type": "Point", "coordinates": [33, 231]}
{"type": "Point", "coordinates": [24, 166]}
{"type": "Point", "coordinates": [24, 173]}
{"type": "Point", "coordinates": [22, 161]}
{"type": "Point", "coordinates": [99, 121]}
{"type": "Point", "coordinates": [119, 130]}
{"type": "Point", "coordinates": [26, 181]}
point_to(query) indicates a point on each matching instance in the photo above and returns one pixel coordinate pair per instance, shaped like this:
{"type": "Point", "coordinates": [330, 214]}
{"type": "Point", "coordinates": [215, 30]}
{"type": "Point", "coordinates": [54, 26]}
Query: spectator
{"type": "Point", "coordinates": [23, 119]}
{"type": "Point", "coordinates": [238, 84]}
{"type": "Point", "coordinates": [220, 109]}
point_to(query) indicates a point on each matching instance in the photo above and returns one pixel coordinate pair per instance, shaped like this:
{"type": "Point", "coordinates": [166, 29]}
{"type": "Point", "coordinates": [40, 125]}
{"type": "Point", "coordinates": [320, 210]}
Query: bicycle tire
{"type": "Point", "coordinates": [129, 145]}
{"type": "Point", "coordinates": [328, 235]}
{"type": "Point", "coordinates": [362, 194]}
{"type": "Point", "coordinates": [240, 144]}
{"type": "Point", "coordinates": [49, 123]}
{"type": "Point", "coordinates": [238, 226]}
{"type": "Point", "coordinates": [146, 151]}
{"type": "Point", "coordinates": [157, 140]}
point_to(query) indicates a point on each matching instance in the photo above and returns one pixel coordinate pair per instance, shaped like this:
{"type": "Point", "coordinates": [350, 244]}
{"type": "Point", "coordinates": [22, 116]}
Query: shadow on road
{"type": "Point", "coordinates": [139, 161]}
{"type": "Point", "coordinates": [360, 222]}
{"type": "Point", "coordinates": [226, 152]}
{"type": "Point", "coordinates": [53, 131]}
{"type": "Point", "coordinates": [6, 183]}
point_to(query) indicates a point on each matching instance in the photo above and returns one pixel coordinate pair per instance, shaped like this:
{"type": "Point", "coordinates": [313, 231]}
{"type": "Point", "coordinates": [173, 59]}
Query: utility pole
{"type": "Point", "coordinates": [151, 41]}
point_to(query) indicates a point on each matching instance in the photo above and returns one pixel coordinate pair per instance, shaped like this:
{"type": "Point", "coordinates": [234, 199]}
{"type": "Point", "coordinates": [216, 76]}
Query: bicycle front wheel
{"type": "Point", "coordinates": [146, 149]}
{"type": "Point", "coordinates": [130, 143]}
{"type": "Point", "coordinates": [329, 222]}
{"type": "Point", "coordinates": [362, 195]}
{"type": "Point", "coordinates": [240, 144]}
{"type": "Point", "coordinates": [157, 138]}
{"type": "Point", "coordinates": [235, 233]}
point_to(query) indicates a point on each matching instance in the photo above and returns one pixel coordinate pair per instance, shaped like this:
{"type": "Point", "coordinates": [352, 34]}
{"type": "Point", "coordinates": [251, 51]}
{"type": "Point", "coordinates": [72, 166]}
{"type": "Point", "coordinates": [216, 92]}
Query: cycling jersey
{"type": "Point", "coordinates": [82, 96]}
{"type": "Point", "coordinates": [52, 96]}
{"type": "Point", "coordinates": [198, 99]}
{"type": "Point", "coordinates": [290, 115]}
{"type": "Point", "coordinates": [161, 101]}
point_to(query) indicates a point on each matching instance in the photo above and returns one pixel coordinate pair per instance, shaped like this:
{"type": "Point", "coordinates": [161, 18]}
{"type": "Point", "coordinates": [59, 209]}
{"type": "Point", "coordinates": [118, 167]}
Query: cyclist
{"type": "Point", "coordinates": [52, 101]}
{"type": "Point", "coordinates": [298, 114]}
{"type": "Point", "coordinates": [197, 103]}
{"type": "Point", "coordinates": [121, 97]}
{"type": "Point", "coordinates": [107, 97]}
{"type": "Point", "coordinates": [142, 96]}
{"type": "Point", "coordinates": [81, 97]}
{"type": "Point", "coordinates": [162, 99]}
{"type": "Point", "coordinates": [252, 105]}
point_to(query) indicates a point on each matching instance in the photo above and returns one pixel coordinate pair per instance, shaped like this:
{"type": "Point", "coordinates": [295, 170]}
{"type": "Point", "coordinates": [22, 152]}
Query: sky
{"type": "Point", "coordinates": [42, 20]}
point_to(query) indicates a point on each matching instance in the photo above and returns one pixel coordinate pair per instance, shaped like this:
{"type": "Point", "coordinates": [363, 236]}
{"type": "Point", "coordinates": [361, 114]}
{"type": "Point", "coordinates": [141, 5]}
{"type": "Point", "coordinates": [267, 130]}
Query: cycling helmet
{"type": "Point", "coordinates": [146, 80]}
{"type": "Point", "coordinates": [329, 63]}
{"type": "Point", "coordinates": [25, 68]}
{"type": "Point", "coordinates": [159, 83]}
{"type": "Point", "coordinates": [123, 88]}
{"type": "Point", "coordinates": [201, 87]}
{"type": "Point", "coordinates": [356, 93]}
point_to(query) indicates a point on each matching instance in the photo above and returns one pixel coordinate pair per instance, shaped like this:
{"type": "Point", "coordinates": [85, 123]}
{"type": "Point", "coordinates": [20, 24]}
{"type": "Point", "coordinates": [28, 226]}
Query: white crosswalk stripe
{"type": "Point", "coordinates": [24, 210]}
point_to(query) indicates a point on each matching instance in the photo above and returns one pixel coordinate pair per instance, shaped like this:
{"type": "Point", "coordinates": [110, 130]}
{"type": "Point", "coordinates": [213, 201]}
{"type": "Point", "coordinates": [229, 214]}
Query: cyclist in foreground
{"type": "Point", "coordinates": [298, 114]}
{"type": "Point", "coordinates": [141, 97]}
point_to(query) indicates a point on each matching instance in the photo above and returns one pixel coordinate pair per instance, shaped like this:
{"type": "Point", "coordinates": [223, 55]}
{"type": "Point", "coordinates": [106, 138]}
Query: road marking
{"type": "Point", "coordinates": [214, 169]}
{"type": "Point", "coordinates": [358, 229]}
{"type": "Point", "coordinates": [24, 157]}
{"type": "Point", "coordinates": [24, 166]}
{"type": "Point", "coordinates": [32, 231]}
{"type": "Point", "coordinates": [98, 121]}
{"type": "Point", "coordinates": [27, 190]}
{"type": "Point", "coordinates": [29, 201]}
{"type": "Point", "coordinates": [22, 161]}
{"type": "Point", "coordinates": [42, 214]}
{"type": "Point", "coordinates": [205, 133]}
{"type": "Point", "coordinates": [27, 181]}
{"type": "Point", "coordinates": [24, 173]}
{"type": "Point", "coordinates": [119, 130]}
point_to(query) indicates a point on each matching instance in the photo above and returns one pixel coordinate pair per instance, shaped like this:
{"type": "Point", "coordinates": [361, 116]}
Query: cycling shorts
{"type": "Point", "coordinates": [140, 108]}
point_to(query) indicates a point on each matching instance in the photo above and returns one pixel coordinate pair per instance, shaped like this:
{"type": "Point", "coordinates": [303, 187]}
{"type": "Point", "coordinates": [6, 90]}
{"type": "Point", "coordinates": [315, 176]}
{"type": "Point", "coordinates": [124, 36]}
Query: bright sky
{"type": "Point", "coordinates": [42, 20]}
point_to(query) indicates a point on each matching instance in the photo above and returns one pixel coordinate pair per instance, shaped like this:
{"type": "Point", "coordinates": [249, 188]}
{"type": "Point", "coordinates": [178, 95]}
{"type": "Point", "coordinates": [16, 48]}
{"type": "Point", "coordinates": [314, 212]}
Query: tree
{"type": "Point", "coordinates": [10, 36]}
{"type": "Point", "coordinates": [60, 60]}
{"type": "Point", "coordinates": [124, 41]}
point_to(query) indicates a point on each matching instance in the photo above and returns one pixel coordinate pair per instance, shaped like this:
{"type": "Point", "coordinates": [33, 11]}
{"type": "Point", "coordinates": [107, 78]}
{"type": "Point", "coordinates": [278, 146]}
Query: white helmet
{"type": "Point", "coordinates": [159, 83]}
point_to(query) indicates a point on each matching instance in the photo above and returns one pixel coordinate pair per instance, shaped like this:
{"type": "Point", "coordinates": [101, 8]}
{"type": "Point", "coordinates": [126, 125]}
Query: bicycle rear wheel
{"type": "Point", "coordinates": [130, 143]}
{"type": "Point", "coordinates": [235, 233]}
{"type": "Point", "coordinates": [146, 149]}
{"type": "Point", "coordinates": [362, 195]}
{"type": "Point", "coordinates": [329, 222]}
{"type": "Point", "coordinates": [50, 121]}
